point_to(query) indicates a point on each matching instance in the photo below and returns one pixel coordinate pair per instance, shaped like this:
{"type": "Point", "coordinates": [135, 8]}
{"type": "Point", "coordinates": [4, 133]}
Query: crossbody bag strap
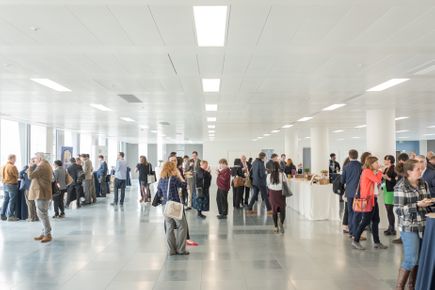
{"type": "Point", "coordinates": [167, 191]}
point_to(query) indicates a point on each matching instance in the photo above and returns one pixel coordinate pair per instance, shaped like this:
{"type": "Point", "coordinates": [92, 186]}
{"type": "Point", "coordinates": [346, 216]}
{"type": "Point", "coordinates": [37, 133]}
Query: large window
{"type": "Point", "coordinates": [10, 142]}
{"type": "Point", "coordinates": [112, 151]}
{"type": "Point", "coordinates": [38, 139]}
{"type": "Point", "coordinates": [85, 143]}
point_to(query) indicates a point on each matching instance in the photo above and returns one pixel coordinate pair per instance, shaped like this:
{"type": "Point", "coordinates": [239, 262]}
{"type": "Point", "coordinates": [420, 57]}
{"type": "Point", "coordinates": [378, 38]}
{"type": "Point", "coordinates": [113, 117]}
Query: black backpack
{"type": "Point", "coordinates": [337, 185]}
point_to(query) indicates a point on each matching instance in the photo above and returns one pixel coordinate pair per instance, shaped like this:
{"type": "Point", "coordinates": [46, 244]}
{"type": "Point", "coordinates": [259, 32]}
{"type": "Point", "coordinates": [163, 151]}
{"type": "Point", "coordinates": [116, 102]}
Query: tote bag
{"type": "Point", "coordinates": [173, 209]}
{"type": "Point", "coordinates": [151, 178]}
{"type": "Point", "coordinates": [361, 204]}
{"type": "Point", "coordinates": [286, 188]}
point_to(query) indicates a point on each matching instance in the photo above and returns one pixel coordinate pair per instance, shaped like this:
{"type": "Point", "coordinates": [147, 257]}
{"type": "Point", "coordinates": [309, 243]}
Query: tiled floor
{"type": "Point", "coordinates": [101, 247]}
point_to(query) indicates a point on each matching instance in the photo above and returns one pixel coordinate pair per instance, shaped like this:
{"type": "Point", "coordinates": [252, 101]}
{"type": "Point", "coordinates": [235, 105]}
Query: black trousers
{"type": "Point", "coordinates": [391, 217]}
{"type": "Point", "coordinates": [368, 217]}
{"type": "Point", "coordinates": [237, 195]}
{"type": "Point", "coordinates": [74, 192]}
{"type": "Point", "coordinates": [119, 184]}
{"type": "Point", "coordinates": [222, 202]}
{"type": "Point", "coordinates": [345, 215]}
{"type": "Point", "coordinates": [58, 202]}
{"type": "Point", "coordinates": [246, 198]}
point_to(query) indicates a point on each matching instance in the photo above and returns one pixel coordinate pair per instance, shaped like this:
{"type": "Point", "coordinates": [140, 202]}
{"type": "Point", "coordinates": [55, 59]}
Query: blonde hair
{"type": "Point", "coordinates": [204, 162]}
{"type": "Point", "coordinates": [370, 161]}
{"type": "Point", "coordinates": [169, 169]}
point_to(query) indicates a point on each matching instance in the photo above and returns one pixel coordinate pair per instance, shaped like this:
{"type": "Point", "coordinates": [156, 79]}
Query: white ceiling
{"type": "Point", "coordinates": [282, 60]}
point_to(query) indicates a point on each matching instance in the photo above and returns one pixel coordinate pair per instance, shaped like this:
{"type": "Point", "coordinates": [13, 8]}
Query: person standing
{"type": "Point", "coordinates": [389, 183]}
{"type": "Point", "coordinates": [120, 178]}
{"type": "Point", "coordinates": [102, 175]}
{"type": "Point", "coordinates": [334, 167]}
{"type": "Point", "coordinates": [290, 168]}
{"type": "Point", "coordinates": [10, 188]}
{"type": "Point", "coordinates": [40, 191]}
{"type": "Point", "coordinates": [75, 188]}
{"type": "Point", "coordinates": [282, 162]}
{"type": "Point", "coordinates": [25, 186]}
{"type": "Point", "coordinates": [223, 182]}
{"type": "Point", "coordinates": [269, 164]}
{"type": "Point", "coordinates": [188, 174]}
{"type": "Point", "coordinates": [169, 184]}
{"type": "Point", "coordinates": [429, 175]}
{"type": "Point", "coordinates": [237, 173]}
{"type": "Point", "coordinates": [411, 201]}
{"type": "Point", "coordinates": [259, 183]}
{"type": "Point", "coordinates": [201, 196]}
{"type": "Point", "coordinates": [144, 168]}
{"type": "Point", "coordinates": [275, 179]}
{"type": "Point", "coordinates": [371, 178]}
{"type": "Point", "coordinates": [350, 178]}
{"type": "Point", "coordinates": [402, 158]}
{"type": "Point", "coordinates": [246, 167]}
{"type": "Point", "coordinates": [58, 197]}
{"type": "Point", "coordinates": [87, 183]}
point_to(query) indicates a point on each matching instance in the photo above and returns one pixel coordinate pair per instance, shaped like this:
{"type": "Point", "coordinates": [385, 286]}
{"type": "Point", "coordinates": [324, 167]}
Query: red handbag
{"type": "Point", "coordinates": [361, 204]}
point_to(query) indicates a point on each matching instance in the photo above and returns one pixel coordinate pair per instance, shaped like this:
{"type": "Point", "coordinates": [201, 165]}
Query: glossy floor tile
{"type": "Point", "coordinates": [102, 247]}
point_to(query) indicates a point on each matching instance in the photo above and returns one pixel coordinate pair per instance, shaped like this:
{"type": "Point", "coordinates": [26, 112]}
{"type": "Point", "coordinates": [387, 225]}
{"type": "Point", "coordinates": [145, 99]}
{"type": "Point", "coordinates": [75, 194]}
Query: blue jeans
{"type": "Point", "coordinates": [354, 218]}
{"type": "Point", "coordinates": [263, 190]}
{"type": "Point", "coordinates": [10, 199]}
{"type": "Point", "coordinates": [411, 248]}
{"type": "Point", "coordinates": [119, 184]}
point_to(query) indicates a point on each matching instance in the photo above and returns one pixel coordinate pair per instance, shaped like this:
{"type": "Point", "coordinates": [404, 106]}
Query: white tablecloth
{"type": "Point", "coordinates": [315, 202]}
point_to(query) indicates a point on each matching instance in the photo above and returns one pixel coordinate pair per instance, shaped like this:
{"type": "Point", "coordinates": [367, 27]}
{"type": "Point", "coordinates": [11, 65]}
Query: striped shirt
{"type": "Point", "coordinates": [411, 217]}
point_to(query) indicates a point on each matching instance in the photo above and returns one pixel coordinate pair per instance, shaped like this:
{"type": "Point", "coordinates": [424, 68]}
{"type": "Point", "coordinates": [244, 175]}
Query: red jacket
{"type": "Point", "coordinates": [368, 182]}
{"type": "Point", "coordinates": [223, 180]}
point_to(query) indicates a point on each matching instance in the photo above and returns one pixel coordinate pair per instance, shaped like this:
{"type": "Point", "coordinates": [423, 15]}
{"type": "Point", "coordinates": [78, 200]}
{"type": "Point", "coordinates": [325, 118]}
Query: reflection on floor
{"type": "Point", "coordinates": [101, 247]}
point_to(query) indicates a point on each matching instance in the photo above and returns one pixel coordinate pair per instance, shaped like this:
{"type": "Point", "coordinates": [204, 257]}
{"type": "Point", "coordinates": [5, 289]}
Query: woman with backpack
{"type": "Point", "coordinates": [277, 200]}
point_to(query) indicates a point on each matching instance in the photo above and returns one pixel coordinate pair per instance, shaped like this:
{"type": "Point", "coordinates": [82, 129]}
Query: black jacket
{"type": "Point", "coordinates": [429, 177]}
{"type": "Point", "coordinates": [391, 173]}
{"type": "Point", "coordinates": [258, 173]}
{"type": "Point", "coordinates": [203, 179]}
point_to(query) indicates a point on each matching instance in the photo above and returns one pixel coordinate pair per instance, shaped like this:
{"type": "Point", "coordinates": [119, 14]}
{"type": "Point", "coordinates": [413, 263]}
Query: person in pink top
{"type": "Point", "coordinates": [370, 180]}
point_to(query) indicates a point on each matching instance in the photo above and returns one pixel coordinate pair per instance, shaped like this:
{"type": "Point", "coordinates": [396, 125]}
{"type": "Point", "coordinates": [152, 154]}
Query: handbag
{"type": "Point", "coordinates": [361, 204]}
{"type": "Point", "coordinates": [286, 191]}
{"type": "Point", "coordinates": [248, 182]}
{"type": "Point", "coordinates": [173, 209]}
{"type": "Point", "coordinates": [151, 178]}
{"type": "Point", "coordinates": [68, 179]}
{"type": "Point", "coordinates": [238, 181]}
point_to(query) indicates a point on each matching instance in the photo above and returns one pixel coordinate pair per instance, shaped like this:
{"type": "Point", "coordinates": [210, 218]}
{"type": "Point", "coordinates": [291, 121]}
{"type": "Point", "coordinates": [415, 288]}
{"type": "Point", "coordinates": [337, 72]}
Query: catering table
{"type": "Point", "coordinates": [314, 201]}
{"type": "Point", "coordinates": [426, 265]}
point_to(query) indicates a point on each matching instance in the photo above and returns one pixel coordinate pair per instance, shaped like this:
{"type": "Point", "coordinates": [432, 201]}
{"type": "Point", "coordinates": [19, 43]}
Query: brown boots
{"type": "Point", "coordinates": [43, 239]}
{"type": "Point", "coordinates": [407, 276]}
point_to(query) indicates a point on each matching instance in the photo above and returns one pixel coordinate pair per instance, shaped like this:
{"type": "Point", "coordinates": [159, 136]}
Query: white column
{"type": "Point", "coordinates": [423, 147]}
{"type": "Point", "coordinates": [50, 140]}
{"type": "Point", "coordinates": [319, 150]}
{"type": "Point", "coordinates": [381, 133]}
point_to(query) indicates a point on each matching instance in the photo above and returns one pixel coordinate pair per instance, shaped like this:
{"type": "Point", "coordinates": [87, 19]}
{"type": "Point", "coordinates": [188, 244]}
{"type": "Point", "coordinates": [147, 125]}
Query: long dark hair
{"type": "Point", "coordinates": [274, 175]}
{"type": "Point", "coordinates": [238, 162]}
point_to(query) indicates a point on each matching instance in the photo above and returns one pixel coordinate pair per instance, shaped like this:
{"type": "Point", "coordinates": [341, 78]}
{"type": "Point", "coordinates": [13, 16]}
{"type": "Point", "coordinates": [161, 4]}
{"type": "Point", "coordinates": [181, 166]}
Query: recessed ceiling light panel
{"type": "Point", "coordinates": [210, 24]}
{"type": "Point", "coordinates": [386, 85]}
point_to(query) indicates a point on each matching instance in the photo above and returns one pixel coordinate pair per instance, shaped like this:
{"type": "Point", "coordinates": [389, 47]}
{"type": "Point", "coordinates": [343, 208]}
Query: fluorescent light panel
{"type": "Point", "coordinates": [211, 131]}
{"type": "Point", "coordinates": [127, 119]}
{"type": "Point", "coordinates": [287, 126]}
{"type": "Point", "coordinates": [101, 107]}
{"type": "Point", "coordinates": [360, 126]}
{"type": "Point", "coordinates": [402, 131]}
{"type": "Point", "coordinates": [274, 131]}
{"type": "Point", "coordinates": [431, 134]}
{"type": "Point", "coordinates": [51, 84]}
{"type": "Point", "coordinates": [266, 135]}
{"type": "Point", "coordinates": [387, 84]}
{"type": "Point", "coordinates": [431, 127]}
{"type": "Point", "coordinates": [304, 119]}
{"type": "Point", "coordinates": [333, 107]}
{"type": "Point", "coordinates": [211, 85]}
{"type": "Point", "coordinates": [401, 118]}
{"type": "Point", "coordinates": [356, 137]}
{"type": "Point", "coordinates": [210, 24]}
{"type": "Point", "coordinates": [211, 126]}
{"type": "Point", "coordinates": [211, 119]}
{"type": "Point", "coordinates": [338, 131]}
{"type": "Point", "coordinates": [211, 107]}
{"type": "Point", "coordinates": [403, 137]}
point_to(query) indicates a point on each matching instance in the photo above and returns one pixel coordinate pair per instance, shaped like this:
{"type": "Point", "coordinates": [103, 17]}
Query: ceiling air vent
{"type": "Point", "coordinates": [130, 98]}
{"type": "Point", "coordinates": [164, 123]}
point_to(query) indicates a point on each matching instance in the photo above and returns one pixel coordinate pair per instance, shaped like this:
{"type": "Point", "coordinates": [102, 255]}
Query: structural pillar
{"type": "Point", "coordinates": [319, 150]}
{"type": "Point", "coordinates": [291, 145]}
{"type": "Point", "coordinates": [381, 133]}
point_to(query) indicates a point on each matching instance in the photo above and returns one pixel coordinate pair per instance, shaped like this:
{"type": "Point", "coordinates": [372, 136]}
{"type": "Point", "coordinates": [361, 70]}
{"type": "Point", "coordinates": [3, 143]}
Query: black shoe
{"type": "Point", "coordinates": [220, 217]}
{"type": "Point", "coordinates": [3, 217]}
{"type": "Point", "coordinates": [188, 208]}
{"type": "Point", "coordinates": [56, 216]}
{"type": "Point", "coordinates": [202, 216]}
{"type": "Point", "coordinates": [62, 215]}
{"type": "Point", "coordinates": [114, 204]}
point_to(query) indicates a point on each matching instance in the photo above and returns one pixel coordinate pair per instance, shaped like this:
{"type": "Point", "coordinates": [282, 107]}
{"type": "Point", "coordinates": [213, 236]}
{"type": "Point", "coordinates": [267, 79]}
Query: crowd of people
{"type": "Point", "coordinates": [408, 189]}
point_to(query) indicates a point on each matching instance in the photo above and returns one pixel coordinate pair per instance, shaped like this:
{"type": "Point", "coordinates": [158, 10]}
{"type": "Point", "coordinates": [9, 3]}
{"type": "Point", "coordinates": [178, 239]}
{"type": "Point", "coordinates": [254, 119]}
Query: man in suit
{"type": "Point", "coordinates": [259, 183]}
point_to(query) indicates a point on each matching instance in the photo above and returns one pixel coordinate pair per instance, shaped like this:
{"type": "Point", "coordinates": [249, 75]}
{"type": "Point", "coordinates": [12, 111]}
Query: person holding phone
{"type": "Point", "coordinates": [411, 202]}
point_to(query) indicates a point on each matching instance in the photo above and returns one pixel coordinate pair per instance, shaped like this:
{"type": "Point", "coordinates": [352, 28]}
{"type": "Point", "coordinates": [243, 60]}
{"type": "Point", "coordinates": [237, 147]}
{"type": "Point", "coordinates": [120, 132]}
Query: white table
{"type": "Point", "coordinates": [314, 201]}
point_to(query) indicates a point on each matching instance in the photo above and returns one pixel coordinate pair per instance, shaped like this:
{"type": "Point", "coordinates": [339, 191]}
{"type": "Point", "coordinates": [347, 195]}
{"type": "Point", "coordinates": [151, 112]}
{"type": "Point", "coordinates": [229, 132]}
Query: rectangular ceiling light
{"type": "Point", "coordinates": [211, 126]}
{"type": "Point", "coordinates": [211, 131]}
{"type": "Point", "coordinates": [211, 85]}
{"type": "Point", "coordinates": [338, 131]}
{"type": "Point", "coordinates": [356, 137]}
{"type": "Point", "coordinates": [402, 131]}
{"type": "Point", "coordinates": [403, 137]}
{"type": "Point", "coordinates": [266, 135]}
{"type": "Point", "coordinates": [431, 127]}
{"type": "Point", "coordinates": [274, 131]}
{"type": "Point", "coordinates": [101, 107]}
{"type": "Point", "coordinates": [387, 84]}
{"type": "Point", "coordinates": [127, 119]}
{"type": "Point", "coordinates": [210, 24]}
{"type": "Point", "coordinates": [211, 119]}
{"type": "Point", "coordinates": [304, 119]}
{"type": "Point", "coordinates": [211, 107]}
{"type": "Point", "coordinates": [333, 107]}
{"type": "Point", "coordinates": [360, 126]}
{"type": "Point", "coordinates": [431, 134]}
{"type": "Point", "coordinates": [287, 126]}
{"type": "Point", "coordinates": [401, 118]}
{"type": "Point", "coordinates": [52, 85]}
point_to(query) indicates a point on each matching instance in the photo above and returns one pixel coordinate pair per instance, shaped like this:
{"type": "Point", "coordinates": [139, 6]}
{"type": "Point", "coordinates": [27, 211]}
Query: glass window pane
{"type": "Point", "coordinates": [38, 139]}
{"type": "Point", "coordinates": [10, 142]}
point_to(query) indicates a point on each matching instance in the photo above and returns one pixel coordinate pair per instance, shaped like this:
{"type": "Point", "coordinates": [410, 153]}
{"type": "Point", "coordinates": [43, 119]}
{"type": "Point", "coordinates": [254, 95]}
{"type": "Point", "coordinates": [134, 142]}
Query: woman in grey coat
{"type": "Point", "coordinates": [60, 189]}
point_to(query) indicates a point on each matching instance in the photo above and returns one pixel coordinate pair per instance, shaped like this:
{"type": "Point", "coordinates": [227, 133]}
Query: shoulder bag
{"type": "Point", "coordinates": [286, 191]}
{"type": "Point", "coordinates": [151, 178]}
{"type": "Point", "coordinates": [238, 181]}
{"type": "Point", "coordinates": [173, 209]}
{"type": "Point", "coordinates": [68, 179]}
{"type": "Point", "coordinates": [361, 204]}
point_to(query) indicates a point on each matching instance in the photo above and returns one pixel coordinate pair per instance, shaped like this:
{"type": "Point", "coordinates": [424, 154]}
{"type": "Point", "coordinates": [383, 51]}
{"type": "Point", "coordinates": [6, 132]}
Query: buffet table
{"type": "Point", "coordinates": [314, 201]}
